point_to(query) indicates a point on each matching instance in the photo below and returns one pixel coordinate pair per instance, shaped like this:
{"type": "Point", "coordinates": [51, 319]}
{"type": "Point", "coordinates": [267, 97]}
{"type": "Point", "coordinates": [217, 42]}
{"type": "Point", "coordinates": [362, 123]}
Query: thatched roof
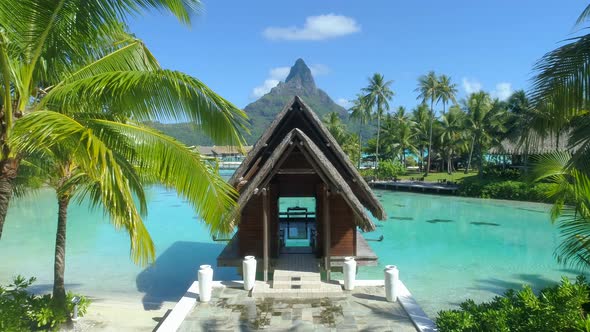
{"type": "Point", "coordinates": [535, 145]}
{"type": "Point", "coordinates": [227, 149]}
{"type": "Point", "coordinates": [296, 139]}
{"type": "Point", "coordinates": [224, 149]}
{"type": "Point", "coordinates": [297, 115]}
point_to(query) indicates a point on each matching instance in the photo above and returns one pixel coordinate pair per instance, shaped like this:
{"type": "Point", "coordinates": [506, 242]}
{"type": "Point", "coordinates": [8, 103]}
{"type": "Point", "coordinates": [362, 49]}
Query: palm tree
{"type": "Point", "coordinates": [79, 78]}
{"type": "Point", "coordinates": [421, 117]}
{"type": "Point", "coordinates": [378, 94]}
{"type": "Point", "coordinates": [347, 141]}
{"type": "Point", "coordinates": [452, 136]}
{"type": "Point", "coordinates": [485, 123]}
{"type": "Point", "coordinates": [447, 91]}
{"type": "Point", "coordinates": [429, 89]}
{"type": "Point", "coordinates": [335, 127]}
{"type": "Point", "coordinates": [41, 42]}
{"type": "Point", "coordinates": [404, 137]}
{"type": "Point", "coordinates": [361, 112]}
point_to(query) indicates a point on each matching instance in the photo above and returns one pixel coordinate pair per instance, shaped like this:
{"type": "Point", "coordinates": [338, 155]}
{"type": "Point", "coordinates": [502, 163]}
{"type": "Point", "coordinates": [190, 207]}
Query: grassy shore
{"type": "Point", "coordinates": [435, 177]}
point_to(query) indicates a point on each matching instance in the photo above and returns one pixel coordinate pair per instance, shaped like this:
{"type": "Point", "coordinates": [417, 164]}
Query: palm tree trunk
{"type": "Point", "coordinates": [378, 132]}
{"type": "Point", "coordinates": [421, 158]}
{"type": "Point", "coordinates": [430, 134]}
{"type": "Point", "coordinates": [59, 290]}
{"type": "Point", "coordinates": [8, 169]}
{"type": "Point", "coordinates": [480, 155]}
{"type": "Point", "coordinates": [450, 165]}
{"type": "Point", "coordinates": [470, 155]}
{"type": "Point", "coordinates": [360, 148]}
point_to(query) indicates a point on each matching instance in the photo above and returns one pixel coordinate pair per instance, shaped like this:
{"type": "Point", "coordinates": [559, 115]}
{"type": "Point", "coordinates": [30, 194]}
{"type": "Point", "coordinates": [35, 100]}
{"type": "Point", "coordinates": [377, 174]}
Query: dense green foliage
{"type": "Point", "coordinates": [23, 311]}
{"type": "Point", "coordinates": [559, 308]}
{"type": "Point", "coordinates": [504, 189]}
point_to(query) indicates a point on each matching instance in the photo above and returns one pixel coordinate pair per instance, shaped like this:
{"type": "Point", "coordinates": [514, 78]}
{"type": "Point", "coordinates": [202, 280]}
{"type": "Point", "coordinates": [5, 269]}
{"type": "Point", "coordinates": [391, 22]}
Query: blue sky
{"type": "Point", "coordinates": [241, 48]}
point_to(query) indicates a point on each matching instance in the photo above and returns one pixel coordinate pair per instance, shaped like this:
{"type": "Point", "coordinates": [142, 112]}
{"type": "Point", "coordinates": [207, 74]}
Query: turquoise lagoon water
{"type": "Point", "coordinates": [447, 248]}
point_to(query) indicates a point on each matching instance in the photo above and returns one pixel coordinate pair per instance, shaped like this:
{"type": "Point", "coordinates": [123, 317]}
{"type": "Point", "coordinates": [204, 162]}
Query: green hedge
{"type": "Point", "coordinates": [559, 308]}
{"type": "Point", "coordinates": [512, 190]}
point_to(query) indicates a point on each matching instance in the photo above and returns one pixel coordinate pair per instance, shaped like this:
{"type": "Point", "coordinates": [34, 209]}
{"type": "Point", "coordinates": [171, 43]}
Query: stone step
{"type": "Point", "coordinates": [296, 284]}
{"type": "Point", "coordinates": [293, 276]}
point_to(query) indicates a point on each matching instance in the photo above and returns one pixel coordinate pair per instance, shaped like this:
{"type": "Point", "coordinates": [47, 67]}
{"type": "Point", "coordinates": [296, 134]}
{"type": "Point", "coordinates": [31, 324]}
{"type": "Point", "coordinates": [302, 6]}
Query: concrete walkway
{"type": "Point", "coordinates": [363, 309]}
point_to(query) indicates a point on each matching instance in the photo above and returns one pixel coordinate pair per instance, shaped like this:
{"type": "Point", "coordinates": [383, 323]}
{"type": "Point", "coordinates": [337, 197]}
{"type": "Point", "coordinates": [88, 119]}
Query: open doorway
{"type": "Point", "coordinates": [297, 224]}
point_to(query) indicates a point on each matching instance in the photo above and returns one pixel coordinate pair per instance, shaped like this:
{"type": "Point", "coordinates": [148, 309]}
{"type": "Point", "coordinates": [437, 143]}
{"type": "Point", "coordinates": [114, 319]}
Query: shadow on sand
{"type": "Point", "coordinates": [175, 269]}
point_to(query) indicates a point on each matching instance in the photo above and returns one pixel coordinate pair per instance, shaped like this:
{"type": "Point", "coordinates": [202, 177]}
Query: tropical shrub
{"type": "Point", "coordinates": [557, 308]}
{"type": "Point", "coordinates": [23, 311]}
{"type": "Point", "coordinates": [503, 173]}
{"type": "Point", "coordinates": [388, 169]}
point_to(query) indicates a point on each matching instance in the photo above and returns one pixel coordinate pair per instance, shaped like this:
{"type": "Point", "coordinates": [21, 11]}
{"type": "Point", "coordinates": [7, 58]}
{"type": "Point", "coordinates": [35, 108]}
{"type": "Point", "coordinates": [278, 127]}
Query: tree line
{"type": "Point", "coordinates": [461, 133]}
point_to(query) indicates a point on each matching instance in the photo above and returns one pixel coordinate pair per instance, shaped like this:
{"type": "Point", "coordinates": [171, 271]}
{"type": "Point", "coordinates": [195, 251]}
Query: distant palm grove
{"type": "Point", "coordinates": [440, 132]}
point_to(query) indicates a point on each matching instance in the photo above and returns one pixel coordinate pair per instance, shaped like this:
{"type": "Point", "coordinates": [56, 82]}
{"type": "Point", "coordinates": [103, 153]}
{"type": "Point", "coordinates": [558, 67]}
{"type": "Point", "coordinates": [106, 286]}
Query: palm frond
{"type": "Point", "coordinates": [101, 173]}
{"type": "Point", "coordinates": [164, 160]}
{"type": "Point", "coordinates": [153, 95]}
{"type": "Point", "coordinates": [562, 77]}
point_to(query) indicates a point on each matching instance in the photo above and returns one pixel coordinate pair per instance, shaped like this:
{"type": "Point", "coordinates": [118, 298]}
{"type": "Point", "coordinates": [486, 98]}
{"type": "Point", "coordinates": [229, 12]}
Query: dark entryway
{"type": "Point", "coordinates": [297, 225]}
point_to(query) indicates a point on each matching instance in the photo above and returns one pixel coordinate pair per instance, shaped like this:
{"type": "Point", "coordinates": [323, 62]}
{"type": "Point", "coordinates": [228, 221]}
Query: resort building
{"type": "Point", "coordinates": [298, 160]}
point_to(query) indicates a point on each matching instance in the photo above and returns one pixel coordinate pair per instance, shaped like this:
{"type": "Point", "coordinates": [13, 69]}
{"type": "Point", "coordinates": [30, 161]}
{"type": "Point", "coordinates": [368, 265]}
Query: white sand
{"type": "Point", "coordinates": [111, 315]}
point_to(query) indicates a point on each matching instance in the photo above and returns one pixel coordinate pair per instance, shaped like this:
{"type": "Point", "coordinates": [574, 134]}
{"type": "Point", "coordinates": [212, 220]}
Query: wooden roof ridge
{"type": "Point", "coordinates": [364, 194]}
{"type": "Point", "coordinates": [324, 168]}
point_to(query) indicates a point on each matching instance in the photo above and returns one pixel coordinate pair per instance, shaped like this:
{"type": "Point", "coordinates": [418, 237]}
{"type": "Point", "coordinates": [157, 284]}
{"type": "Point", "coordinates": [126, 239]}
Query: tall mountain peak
{"type": "Point", "coordinates": [300, 76]}
{"type": "Point", "coordinates": [300, 83]}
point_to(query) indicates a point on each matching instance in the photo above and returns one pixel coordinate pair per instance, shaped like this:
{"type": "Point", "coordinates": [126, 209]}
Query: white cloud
{"type": "Point", "coordinates": [315, 28]}
{"type": "Point", "coordinates": [275, 76]}
{"type": "Point", "coordinates": [344, 102]}
{"type": "Point", "coordinates": [471, 86]}
{"type": "Point", "coordinates": [503, 91]}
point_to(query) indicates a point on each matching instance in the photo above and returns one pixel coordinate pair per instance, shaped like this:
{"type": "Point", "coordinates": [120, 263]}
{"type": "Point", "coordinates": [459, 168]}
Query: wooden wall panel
{"type": "Point", "coordinates": [343, 229]}
{"type": "Point", "coordinates": [274, 221]}
{"type": "Point", "coordinates": [250, 228]}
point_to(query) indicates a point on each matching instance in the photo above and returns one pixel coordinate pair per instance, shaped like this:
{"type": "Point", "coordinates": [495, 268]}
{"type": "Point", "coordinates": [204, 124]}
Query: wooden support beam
{"type": "Point", "coordinates": [296, 171]}
{"type": "Point", "coordinates": [265, 219]}
{"type": "Point", "coordinates": [327, 237]}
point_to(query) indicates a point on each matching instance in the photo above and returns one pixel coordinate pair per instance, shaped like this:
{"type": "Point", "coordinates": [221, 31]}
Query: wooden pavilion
{"type": "Point", "coordinates": [297, 157]}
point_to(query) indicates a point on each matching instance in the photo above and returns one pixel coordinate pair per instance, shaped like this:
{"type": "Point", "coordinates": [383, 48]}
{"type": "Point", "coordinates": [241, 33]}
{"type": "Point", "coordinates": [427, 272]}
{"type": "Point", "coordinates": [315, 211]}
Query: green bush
{"type": "Point", "coordinates": [501, 173]}
{"type": "Point", "coordinates": [22, 311]}
{"type": "Point", "coordinates": [388, 169]}
{"type": "Point", "coordinates": [512, 190]}
{"type": "Point", "coordinates": [558, 308]}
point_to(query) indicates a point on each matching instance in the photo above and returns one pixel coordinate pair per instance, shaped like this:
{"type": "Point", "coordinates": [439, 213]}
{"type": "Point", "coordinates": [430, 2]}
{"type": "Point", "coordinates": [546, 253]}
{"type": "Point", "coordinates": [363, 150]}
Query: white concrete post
{"type": "Point", "coordinates": [349, 273]}
{"type": "Point", "coordinates": [249, 272]}
{"type": "Point", "coordinates": [205, 283]}
{"type": "Point", "coordinates": [391, 281]}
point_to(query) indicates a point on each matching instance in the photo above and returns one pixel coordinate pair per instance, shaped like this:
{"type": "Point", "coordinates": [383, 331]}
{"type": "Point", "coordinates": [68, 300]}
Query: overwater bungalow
{"type": "Point", "coordinates": [298, 158]}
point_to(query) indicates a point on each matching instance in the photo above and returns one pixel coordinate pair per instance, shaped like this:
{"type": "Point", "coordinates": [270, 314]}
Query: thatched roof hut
{"type": "Point", "coordinates": [298, 157]}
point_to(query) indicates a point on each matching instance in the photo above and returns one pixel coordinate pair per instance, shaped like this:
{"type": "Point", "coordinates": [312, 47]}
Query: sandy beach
{"type": "Point", "coordinates": [109, 315]}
